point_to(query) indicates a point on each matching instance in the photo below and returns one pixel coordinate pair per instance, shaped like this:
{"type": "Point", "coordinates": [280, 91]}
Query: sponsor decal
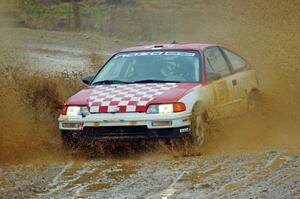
{"type": "Point", "coordinates": [184, 130]}
{"type": "Point", "coordinates": [155, 53]}
{"type": "Point", "coordinates": [133, 123]}
{"type": "Point", "coordinates": [96, 123]}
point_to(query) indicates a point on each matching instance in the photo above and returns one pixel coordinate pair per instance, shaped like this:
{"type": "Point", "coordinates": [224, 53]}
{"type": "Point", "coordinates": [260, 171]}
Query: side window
{"type": "Point", "coordinates": [208, 67]}
{"type": "Point", "coordinates": [236, 61]}
{"type": "Point", "coordinates": [215, 61]}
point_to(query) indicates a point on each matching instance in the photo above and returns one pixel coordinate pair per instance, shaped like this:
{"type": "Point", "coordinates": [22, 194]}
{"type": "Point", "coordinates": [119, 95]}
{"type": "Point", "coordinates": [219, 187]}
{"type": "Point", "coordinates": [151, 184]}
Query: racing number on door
{"type": "Point", "coordinates": [221, 92]}
{"type": "Point", "coordinates": [216, 65]}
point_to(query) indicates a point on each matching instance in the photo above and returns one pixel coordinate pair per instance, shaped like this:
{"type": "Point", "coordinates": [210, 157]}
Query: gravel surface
{"type": "Point", "coordinates": [269, 174]}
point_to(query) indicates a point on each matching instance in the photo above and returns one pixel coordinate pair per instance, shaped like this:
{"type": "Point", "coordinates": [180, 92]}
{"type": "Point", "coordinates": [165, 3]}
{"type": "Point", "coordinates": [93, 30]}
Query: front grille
{"type": "Point", "coordinates": [115, 131]}
{"type": "Point", "coordinates": [112, 132]}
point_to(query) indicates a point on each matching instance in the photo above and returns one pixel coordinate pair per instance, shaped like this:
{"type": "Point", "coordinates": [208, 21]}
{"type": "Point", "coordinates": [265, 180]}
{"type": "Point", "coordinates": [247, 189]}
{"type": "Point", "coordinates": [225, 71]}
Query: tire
{"type": "Point", "coordinates": [198, 127]}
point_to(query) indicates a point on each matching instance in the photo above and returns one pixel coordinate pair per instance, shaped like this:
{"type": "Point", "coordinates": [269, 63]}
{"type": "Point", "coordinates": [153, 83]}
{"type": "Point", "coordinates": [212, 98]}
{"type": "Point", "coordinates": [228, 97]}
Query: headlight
{"type": "Point", "coordinates": [75, 110]}
{"type": "Point", "coordinates": [166, 108]}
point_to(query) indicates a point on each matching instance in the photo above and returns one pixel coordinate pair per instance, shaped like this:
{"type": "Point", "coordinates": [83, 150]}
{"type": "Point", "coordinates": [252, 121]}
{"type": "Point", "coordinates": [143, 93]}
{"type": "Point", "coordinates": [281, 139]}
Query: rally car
{"type": "Point", "coordinates": [160, 91]}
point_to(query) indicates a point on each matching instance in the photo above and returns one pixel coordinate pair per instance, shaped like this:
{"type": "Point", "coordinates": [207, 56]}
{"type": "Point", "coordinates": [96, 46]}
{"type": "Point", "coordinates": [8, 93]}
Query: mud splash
{"type": "Point", "coordinates": [29, 104]}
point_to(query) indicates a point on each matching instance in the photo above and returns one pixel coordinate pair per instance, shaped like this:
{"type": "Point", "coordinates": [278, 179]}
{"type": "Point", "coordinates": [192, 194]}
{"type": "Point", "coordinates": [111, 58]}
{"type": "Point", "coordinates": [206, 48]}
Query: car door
{"type": "Point", "coordinates": [219, 79]}
{"type": "Point", "coordinates": [243, 79]}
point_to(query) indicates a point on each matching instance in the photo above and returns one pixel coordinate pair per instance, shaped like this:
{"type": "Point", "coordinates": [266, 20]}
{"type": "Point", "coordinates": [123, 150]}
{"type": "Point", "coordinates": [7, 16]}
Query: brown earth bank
{"type": "Point", "coordinates": [255, 155]}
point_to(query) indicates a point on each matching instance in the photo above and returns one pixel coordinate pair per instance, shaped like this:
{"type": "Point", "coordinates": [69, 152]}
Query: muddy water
{"type": "Point", "coordinates": [255, 155]}
{"type": "Point", "coordinates": [265, 174]}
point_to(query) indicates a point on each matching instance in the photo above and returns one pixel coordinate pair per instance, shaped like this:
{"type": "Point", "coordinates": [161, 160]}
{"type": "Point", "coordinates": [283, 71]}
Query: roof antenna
{"type": "Point", "coordinates": [174, 42]}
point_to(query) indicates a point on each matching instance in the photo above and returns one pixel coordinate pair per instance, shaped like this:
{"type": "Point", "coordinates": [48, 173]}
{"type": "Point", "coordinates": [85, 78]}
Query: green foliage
{"type": "Point", "coordinates": [19, 3]}
{"type": "Point", "coordinates": [99, 14]}
{"type": "Point", "coordinates": [32, 7]}
{"type": "Point", "coordinates": [124, 2]}
{"type": "Point", "coordinates": [63, 9]}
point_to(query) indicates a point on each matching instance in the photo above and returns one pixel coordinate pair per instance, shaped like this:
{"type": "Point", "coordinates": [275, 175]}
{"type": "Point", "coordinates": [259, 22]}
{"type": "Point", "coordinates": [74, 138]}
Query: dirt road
{"type": "Point", "coordinates": [254, 156]}
{"type": "Point", "coordinates": [270, 174]}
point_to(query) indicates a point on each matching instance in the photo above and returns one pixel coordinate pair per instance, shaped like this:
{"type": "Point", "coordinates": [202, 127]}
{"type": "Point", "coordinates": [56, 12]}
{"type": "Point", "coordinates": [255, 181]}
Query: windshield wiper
{"type": "Point", "coordinates": [111, 82]}
{"type": "Point", "coordinates": [155, 81]}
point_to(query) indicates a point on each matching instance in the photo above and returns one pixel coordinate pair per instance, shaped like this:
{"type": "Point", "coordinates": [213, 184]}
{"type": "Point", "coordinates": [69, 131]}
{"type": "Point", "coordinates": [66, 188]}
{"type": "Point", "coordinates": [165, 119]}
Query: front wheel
{"type": "Point", "coordinates": [198, 127]}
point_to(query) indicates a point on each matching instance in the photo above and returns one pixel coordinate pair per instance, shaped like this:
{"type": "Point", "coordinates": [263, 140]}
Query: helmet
{"type": "Point", "coordinates": [168, 68]}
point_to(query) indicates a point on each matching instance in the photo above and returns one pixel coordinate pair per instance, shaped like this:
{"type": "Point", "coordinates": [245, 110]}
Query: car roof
{"type": "Point", "coordinates": [187, 46]}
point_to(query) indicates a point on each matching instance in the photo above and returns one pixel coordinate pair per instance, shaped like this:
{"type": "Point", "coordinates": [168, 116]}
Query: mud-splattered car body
{"type": "Point", "coordinates": [209, 82]}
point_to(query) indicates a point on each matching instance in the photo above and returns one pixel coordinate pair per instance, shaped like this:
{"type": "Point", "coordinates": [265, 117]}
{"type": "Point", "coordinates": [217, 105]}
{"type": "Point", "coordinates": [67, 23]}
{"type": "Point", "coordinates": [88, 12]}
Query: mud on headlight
{"type": "Point", "coordinates": [166, 108]}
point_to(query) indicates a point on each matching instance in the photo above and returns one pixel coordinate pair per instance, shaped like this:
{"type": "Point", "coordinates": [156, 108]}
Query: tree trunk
{"type": "Point", "coordinates": [76, 15]}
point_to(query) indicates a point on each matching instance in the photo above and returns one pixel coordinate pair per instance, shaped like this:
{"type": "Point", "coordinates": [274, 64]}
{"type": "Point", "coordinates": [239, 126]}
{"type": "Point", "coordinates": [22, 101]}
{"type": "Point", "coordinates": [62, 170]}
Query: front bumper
{"type": "Point", "coordinates": [124, 119]}
{"type": "Point", "coordinates": [125, 125]}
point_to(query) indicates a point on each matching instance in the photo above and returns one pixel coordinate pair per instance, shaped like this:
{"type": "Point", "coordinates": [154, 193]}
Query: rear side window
{"type": "Point", "coordinates": [215, 61]}
{"type": "Point", "coordinates": [237, 62]}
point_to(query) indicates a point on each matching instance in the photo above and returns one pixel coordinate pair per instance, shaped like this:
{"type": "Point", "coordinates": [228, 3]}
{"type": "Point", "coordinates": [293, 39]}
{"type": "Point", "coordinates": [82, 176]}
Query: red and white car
{"type": "Point", "coordinates": [159, 91]}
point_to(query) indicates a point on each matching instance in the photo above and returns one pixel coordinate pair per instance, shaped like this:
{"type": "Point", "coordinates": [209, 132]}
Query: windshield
{"type": "Point", "coordinates": [152, 66]}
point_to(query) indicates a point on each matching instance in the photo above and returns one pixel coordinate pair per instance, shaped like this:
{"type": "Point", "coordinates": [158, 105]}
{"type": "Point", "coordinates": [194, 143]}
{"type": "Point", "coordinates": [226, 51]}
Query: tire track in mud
{"type": "Point", "coordinates": [170, 191]}
{"type": "Point", "coordinates": [81, 179]}
{"type": "Point", "coordinates": [268, 174]}
{"type": "Point", "coordinates": [54, 185]}
{"type": "Point", "coordinates": [68, 180]}
{"type": "Point", "coordinates": [235, 178]}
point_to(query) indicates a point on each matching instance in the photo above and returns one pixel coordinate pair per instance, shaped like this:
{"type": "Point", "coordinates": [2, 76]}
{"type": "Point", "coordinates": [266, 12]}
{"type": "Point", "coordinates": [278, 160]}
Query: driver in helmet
{"type": "Point", "coordinates": [172, 72]}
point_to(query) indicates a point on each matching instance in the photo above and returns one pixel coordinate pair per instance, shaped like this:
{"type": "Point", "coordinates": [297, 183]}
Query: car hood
{"type": "Point", "coordinates": [129, 97]}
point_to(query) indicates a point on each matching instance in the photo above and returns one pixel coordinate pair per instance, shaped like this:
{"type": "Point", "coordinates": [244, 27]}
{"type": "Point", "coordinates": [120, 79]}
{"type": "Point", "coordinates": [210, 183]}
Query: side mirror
{"type": "Point", "coordinates": [212, 76]}
{"type": "Point", "coordinates": [88, 80]}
